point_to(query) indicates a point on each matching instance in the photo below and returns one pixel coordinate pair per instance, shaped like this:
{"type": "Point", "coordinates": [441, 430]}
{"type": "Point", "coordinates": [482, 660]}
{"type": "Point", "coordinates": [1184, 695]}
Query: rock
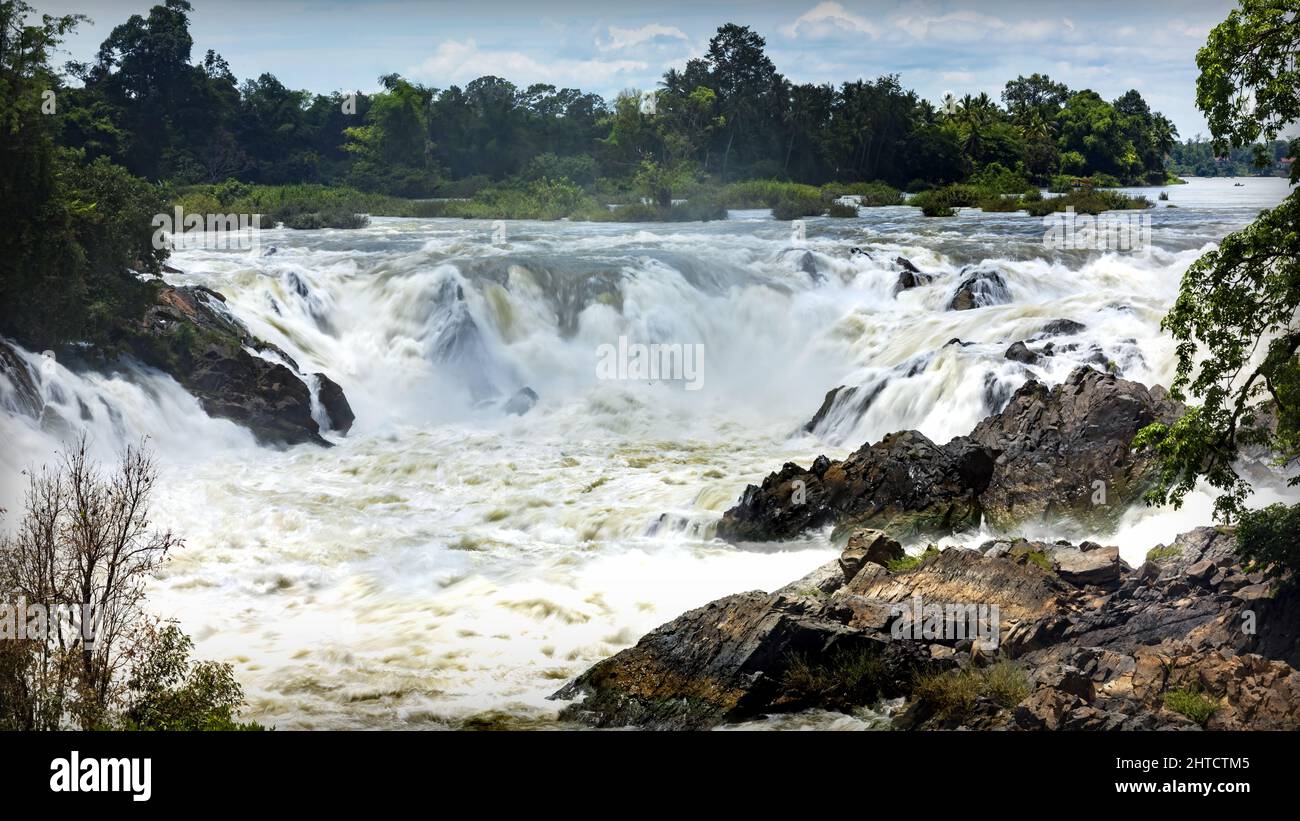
{"type": "Point", "coordinates": [1040, 456]}
{"type": "Point", "coordinates": [1060, 327]}
{"type": "Point", "coordinates": [22, 395]}
{"type": "Point", "coordinates": [1019, 352]}
{"type": "Point", "coordinates": [1100, 567]}
{"type": "Point", "coordinates": [904, 484]}
{"type": "Point", "coordinates": [723, 662]}
{"type": "Point", "coordinates": [1092, 659]}
{"type": "Point", "coordinates": [334, 402]}
{"type": "Point", "coordinates": [911, 276]}
{"type": "Point", "coordinates": [978, 290]}
{"type": "Point", "coordinates": [808, 265]}
{"type": "Point", "coordinates": [191, 336]}
{"type": "Point", "coordinates": [1054, 444]}
{"type": "Point", "coordinates": [868, 546]}
{"type": "Point", "coordinates": [845, 402]}
{"type": "Point", "coordinates": [522, 402]}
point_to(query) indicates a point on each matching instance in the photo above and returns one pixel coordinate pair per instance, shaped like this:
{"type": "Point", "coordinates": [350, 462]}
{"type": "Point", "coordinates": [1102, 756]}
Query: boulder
{"type": "Point", "coordinates": [1100, 567]}
{"type": "Point", "coordinates": [1054, 445]}
{"type": "Point", "coordinates": [1060, 327]}
{"type": "Point", "coordinates": [865, 546]}
{"type": "Point", "coordinates": [979, 289]}
{"type": "Point", "coordinates": [904, 484]}
{"type": "Point", "coordinates": [335, 403]}
{"type": "Point", "coordinates": [22, 395]}
{"type": "Point", "coordinates": [189, 334]}
{"type": "Point", "coordinates": [1019, 352]}
{"type": "Point", "coordinates": [522, 402]}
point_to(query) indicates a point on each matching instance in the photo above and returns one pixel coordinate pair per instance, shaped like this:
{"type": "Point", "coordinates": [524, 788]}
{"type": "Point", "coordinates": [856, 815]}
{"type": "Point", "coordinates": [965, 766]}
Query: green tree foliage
{"type": "Point", "coordinates": [72, 229]}
{"type": "Point", "coordinates": [1235, 316]}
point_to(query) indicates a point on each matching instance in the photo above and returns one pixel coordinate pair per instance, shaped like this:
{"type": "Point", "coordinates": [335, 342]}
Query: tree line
{"type": "Point", "coordinates": [146, 103]}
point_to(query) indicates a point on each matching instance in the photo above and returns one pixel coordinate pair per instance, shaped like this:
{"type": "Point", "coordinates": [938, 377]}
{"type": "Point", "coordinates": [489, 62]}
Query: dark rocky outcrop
{"type": "Point", "coordinates": [23, 396]}
{"type": "Point", "coordinates": [1019, 352]}
{"type": "Point", "coordinates": [1041, 456]}
{"type": "Point", "coordinates": [903, 484]}
{"type": "Point", "coordinates": [1092, 651]}
{"type": "Point", "coordinates": [335, 403]}
{"type": "Point", "coordinates": [522, 402]}
{"type": "Point", "coordinates": [189, 335]}
{"type": "Point", "coordinates": [979, 289]}
{"type": "Point", "coordinates": [911, 276]}
{"type": "Point", "coordinates": [1060, 327]}
{"type": "Point", "coordinates": [1053, 445]}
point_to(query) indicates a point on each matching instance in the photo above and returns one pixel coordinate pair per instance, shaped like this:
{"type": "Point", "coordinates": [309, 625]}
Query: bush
{"type": "Point", "coordinates": [1193, 703]}
{"type": "Point", "coordinates": [1087, 201]}
{"type": "Point", "coordinates": [1268, 540]}
{"type": "Point", "coordinates": [952, 695]}
{"type": "Point", "coordinates": [849, 676]}
{"type": "Point", "coordinates": [842, 209]}
{"type": "Point", "coordinates": [907, 563]}
{"type": "Point", "coordinates": [869, 194]}
{"type": "Point", "coordinates": [798, 206]}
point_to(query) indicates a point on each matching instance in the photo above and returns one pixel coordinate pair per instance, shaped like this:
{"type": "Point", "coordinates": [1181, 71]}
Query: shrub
{"type": "Point", "coordinates": [798, 206]}
{"type": "Point", "coordinates": [1268, 540]}
{"type": "Point", "coordinates": [953, 694]}
{"type": "Point", "coordinates": [1193, 703]}
{"type": "Point", "coordinates": [869, 194]}
{"type": "Point", "coordinates": [1087, 201]}
{"type": "Point", "coordinates": [907, 563]}
{"type": "Point", "coordinates": [842, 209]}
{"type": "Point", "coordinates": [851, 675]}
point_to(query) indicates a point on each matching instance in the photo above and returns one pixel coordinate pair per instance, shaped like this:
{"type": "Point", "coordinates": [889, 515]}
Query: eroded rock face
{"type": "Point", "coordinates": [979, 289]}
{"type": "Point", "coordinates": [1089, 656]}
{"type": "Point", "coordinates": [1054, 445]}
{"type": "Point", "coordinates": [1043, 455]}
{"type": "Point", "coordinates": [903, 484]}
{"type": "Point", "coordinates": [20, 395]}
{"type": "Point", "coordinates": [190, 336]}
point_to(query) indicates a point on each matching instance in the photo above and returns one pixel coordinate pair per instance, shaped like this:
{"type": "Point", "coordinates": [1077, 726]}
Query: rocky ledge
{"type": "Point", "coordinates": [1060, 451]}
{"type": "Point", "coordinates": [189, 334]}
{"type": "Point", "coordinates": [1071, 638]}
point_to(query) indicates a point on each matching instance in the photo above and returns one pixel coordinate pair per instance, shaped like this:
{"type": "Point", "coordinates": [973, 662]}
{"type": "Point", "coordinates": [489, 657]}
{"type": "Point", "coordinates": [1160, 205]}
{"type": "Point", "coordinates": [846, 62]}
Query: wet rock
{"type": "Point", "coordinates": [978, 290]}
{"type": "Point", "coordinates": [1039, 456]}
{"type": "Point", "coordinates": [808, 265]}
{"type": "Point", "coordinates": [522, 402]}
{"type": "Point", "coordinates": [191, 336]}
{"type": "Point", "coordinates": [335, 403]}
{"type": "Point", "coordinates": [1060, 327]}
{"type": "Point", "coordinates": [903, 484]}
{"type": "Point", "coordinates": [1053, 445]}
{"type": "Point", "coordinates": [23, 396]}
{"type": "Point", "coordinates": [1019, 352]}
{"type": "Point", "coordinates": [911, 276]}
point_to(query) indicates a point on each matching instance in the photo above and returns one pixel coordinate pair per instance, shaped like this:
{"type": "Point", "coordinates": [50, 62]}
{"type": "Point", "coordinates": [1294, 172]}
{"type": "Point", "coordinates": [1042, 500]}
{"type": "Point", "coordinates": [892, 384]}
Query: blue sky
{"type": "Point", "coordinates": [964, 47]}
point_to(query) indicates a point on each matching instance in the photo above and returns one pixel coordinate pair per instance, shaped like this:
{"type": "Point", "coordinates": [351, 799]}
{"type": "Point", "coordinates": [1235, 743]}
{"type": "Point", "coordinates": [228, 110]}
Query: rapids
{"type": "Point", "coordinates": [450, 565]}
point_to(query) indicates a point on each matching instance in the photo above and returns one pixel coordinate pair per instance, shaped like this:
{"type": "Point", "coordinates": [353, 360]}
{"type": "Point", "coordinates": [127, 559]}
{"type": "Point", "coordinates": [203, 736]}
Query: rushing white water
{"type": "Point", "coordinates": [450, 565]}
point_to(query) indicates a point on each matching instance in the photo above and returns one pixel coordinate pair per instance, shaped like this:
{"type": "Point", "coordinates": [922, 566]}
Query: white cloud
{"type": "Point", "coordinates": [621, 38]}
{"type": "Point", "coordinates": [958, 76]}
{"type": "Point", "coordinates": [829, 18]}
{"type": "Point", "coordinates": [968, 26]}
{"type": "Point", "coordinates": [461, 61]}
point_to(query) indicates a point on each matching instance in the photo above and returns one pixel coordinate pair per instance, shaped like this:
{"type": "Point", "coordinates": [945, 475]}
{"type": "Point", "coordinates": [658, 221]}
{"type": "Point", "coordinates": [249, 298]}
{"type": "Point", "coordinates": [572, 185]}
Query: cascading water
{"type": "Point", "coordinates": [451, 564]}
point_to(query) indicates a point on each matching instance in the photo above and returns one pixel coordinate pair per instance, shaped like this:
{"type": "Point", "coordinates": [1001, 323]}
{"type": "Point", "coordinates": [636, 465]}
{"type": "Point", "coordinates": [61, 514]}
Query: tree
{"type": "Point", "coordinates": [94, 659]}
{"type": "Point", "coordinates": [1235, 318]}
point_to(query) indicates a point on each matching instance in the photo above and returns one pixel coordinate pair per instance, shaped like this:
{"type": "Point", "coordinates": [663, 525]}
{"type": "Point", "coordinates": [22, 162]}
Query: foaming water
{"type": "Point", "coordinates": [448, 564]}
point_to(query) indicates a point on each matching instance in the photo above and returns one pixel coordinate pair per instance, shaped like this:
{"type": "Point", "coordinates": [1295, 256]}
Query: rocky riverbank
{"type": "Point", "coordinates": [189, 334]}
{"type": "Point", "coordinates": [1051, 452]}
{"type": "Point", "coordinates": [1074, 638]}
{"type": "Point", "coordinates": [1007, 634]}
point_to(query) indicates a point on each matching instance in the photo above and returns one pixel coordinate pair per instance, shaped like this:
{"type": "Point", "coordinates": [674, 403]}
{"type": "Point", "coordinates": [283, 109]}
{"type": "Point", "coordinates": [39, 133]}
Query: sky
{"type": "Point", "coordinates": [604, 47]}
